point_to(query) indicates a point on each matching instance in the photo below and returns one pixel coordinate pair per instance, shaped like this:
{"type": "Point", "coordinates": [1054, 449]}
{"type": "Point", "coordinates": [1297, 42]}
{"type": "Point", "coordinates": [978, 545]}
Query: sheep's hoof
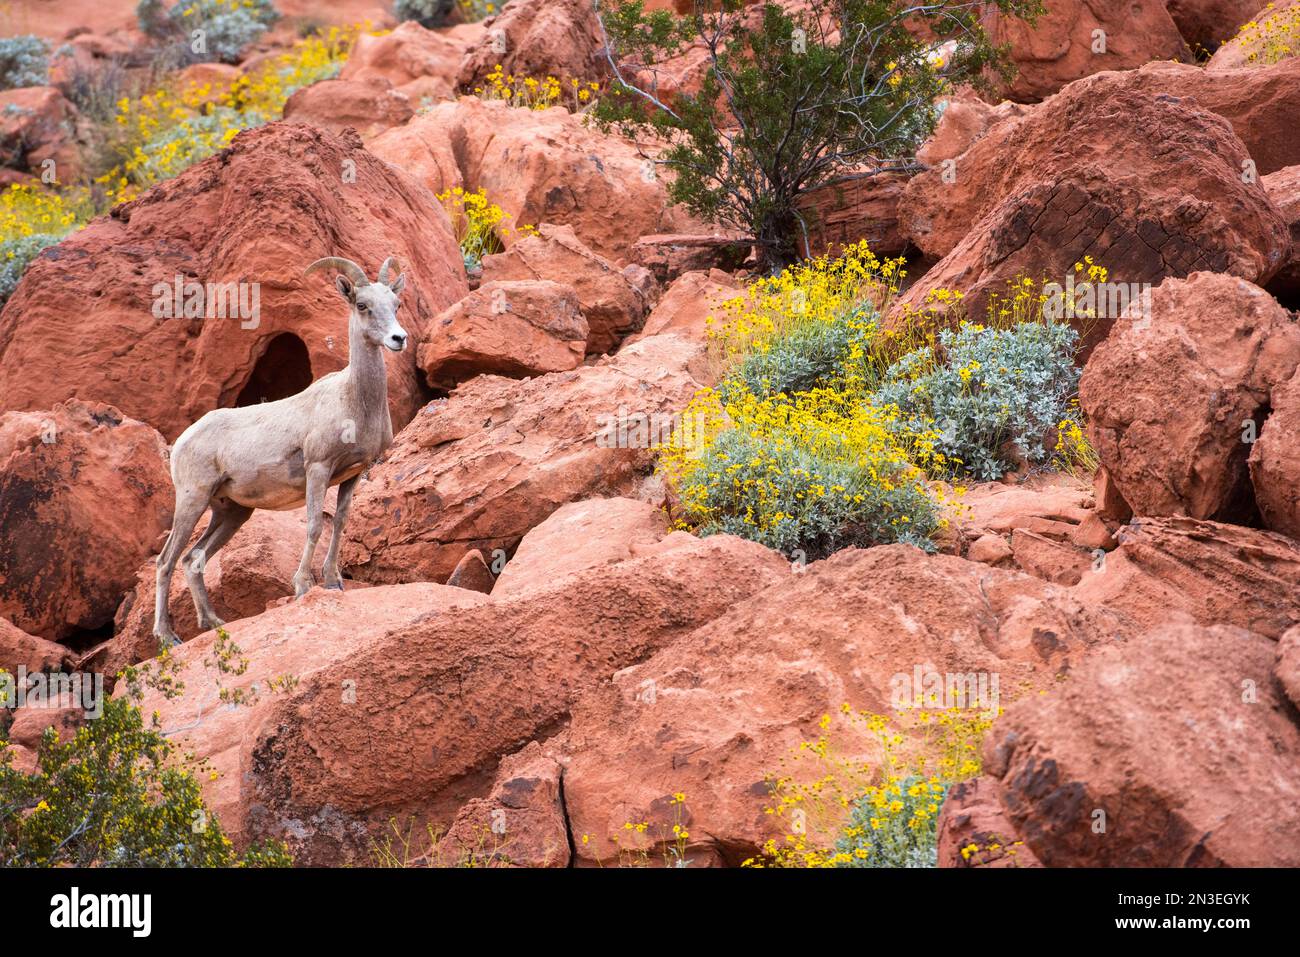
{"type": "Point", "coordinates": [301, 586]}
{"type": "Point", "coordinates": [207, 624]}
{"type": "Point", "coordinates": [167, 639]}
{"type": "Point", "coordinates": [337, 586]}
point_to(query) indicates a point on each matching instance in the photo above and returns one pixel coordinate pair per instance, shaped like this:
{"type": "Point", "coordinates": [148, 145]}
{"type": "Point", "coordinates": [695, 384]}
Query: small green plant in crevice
{"type": "Point", "coordinates": [400, 848]}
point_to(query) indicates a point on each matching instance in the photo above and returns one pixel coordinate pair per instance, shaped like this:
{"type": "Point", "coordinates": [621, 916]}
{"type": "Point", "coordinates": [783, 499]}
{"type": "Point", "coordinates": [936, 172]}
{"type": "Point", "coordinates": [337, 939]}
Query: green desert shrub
{"type": "Point", "coordinates": [995, 397]}
{"type": "Point", "coordinates": [224, 27]}
{"type": "Point", "coordinates": [893, 825]}
{"type": "Point", "coordinates": [116, 794]}
{"type": "Point", "coordinates": [789, 99]}
{"type": "Point", "coordinates": [24, 61]}
{"type": "Point", "coordinates": [15, 256]}
{"type": "Point", "coordinates": [427, 13]}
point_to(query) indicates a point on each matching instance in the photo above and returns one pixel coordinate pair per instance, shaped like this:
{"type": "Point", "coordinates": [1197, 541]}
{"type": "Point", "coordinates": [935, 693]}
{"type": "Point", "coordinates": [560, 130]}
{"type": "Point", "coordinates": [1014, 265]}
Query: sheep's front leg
{"type": "Point", "coordinates": [331, 577]}
{"type": "Point", "coordinates": [318, 477]}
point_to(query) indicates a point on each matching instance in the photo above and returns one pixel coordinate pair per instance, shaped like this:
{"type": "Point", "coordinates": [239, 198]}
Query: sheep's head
{"type": "Point", "coordinates": [374, 303]}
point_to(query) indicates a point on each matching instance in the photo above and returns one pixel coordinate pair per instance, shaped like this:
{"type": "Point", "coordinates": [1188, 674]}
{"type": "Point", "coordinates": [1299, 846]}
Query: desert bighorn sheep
{"type": "Point", "coordinates": [281, 454]}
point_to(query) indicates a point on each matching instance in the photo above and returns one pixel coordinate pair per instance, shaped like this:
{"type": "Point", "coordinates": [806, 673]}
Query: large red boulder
{"type": "Point", "coordinates": [33, 653]}
{"type": "Point", "coordinates": [85, 497]}
{"type": "Point", "coordinates": [1174, 748]}
{"type": "Point", "coordinates": [582, 535]}
{"type": "Point", "coordinates": [539, 166]}
{"type": "Point", "coordinates": [495, 459]}
{"type": "Point", "coordinates": [369, 107]}
{"type": "Point", "coordinates": [38, 125]}
{"type": "Point", "coordinates": [272, 656]}
{"type": "Point", "coordinates": [537, 39]}
{"type": "Point", "coordinates": [513, 328]}
{"type": "Point", "coordinates": [612, 304]}
{"type": "Point", "coordinates": [1175, 399]}
{"type": "Point", "coordinates": [1266, 39]}
{"type": "Point", "coordinates": [1209, 23]}
{"type": "Point", "coordinates": [1077, 38]}
{"type": "Point", "coordinates": [255, 569]}
{"type": "Point", "coordinates": [1283, 188]}
{"type": "Point", "coordinates": [855, 208]}
{"type": "Point", "coordinates": [83, 322]}
{"type": "Point", "coordinates": [1147, 183]}
{"type": "Point", "coordinates": [417, 62]}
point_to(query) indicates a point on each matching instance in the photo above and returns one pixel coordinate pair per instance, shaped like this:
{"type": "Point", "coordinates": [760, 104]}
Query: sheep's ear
{"type": "Point", "coordinates": [398, 284]}
{"type": "Point", "coordinates": [346, 288]}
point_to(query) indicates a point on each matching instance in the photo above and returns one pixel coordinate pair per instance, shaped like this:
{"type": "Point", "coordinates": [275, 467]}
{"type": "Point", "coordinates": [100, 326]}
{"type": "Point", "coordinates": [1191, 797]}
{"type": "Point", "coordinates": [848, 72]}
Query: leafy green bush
{"type": "Point", "coordinates": [893, 825]}
{"type": "Point", "coordinates": [24, 61]}
{"type": "Point", "coordinates": [995, 397]}
{"type": "Point", "coordinates": [113, 796]}
{"type": "Point", "coordinates": [228, 26]}
{"type": "Point", "coordinates": [790, 99]}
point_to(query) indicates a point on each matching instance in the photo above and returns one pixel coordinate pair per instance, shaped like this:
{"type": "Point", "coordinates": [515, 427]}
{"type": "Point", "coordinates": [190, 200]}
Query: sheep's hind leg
{"type": "Point", "coordinates": [190, 507]}
{"type": "Point", "coordinates": [331, 570]}
{"type": "Point", "coordinates": [226, 520]}
{"type": "Point", "coordinates": [318, 476]}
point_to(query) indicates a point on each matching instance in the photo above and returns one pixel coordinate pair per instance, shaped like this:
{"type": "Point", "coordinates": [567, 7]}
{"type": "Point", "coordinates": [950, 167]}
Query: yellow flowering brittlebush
{"type": "Point", "coordinates": [790, 450]}
{"type": "Point", "coordinates": [1272, 36]}
{"type": "Point", "coordinates": [478, 223]}
{"type": "Point", "coordinates": [167, 130]}
{"type": "Point", "coordinates": [531, 93]}
{"type": "Point", "coordinates": [875, 808]}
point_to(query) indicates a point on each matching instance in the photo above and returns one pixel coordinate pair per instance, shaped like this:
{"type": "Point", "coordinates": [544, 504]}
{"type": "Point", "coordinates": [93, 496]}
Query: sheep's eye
{"type": "Point", "coordinates": [362, 307]}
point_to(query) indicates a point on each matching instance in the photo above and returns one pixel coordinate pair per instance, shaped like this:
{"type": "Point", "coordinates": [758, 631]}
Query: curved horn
{"type": "Point", "coordinates": [390, 262]}
{"type": "Point", "coordinates": [346, 266]}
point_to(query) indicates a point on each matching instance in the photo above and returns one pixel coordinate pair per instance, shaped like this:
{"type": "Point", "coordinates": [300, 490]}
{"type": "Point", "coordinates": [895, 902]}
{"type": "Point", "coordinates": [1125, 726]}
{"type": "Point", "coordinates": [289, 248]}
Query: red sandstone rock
{"type": "Point", "coordinates": [1214, 573]}
{"type": "Point", "coordinates": [85, 497]}
{"type": "Point", "coordinates": [254, 569]}
{"type": "Point", "coordinates": [33, 653]}
{"type": "Point", "coordinates": [689, 303]}
{"type": "Point", "coordinates": [418, 62]}
{"type": "Point", "coordinates": [612, 306]}
{"type": "Point", "coordinates": [671, 256]}
{"type": "Point", "coordinates": [1174, 399]}
{"type": "Point", "coordinates": [472, 572]}
{"type": "Point", "coordinates": [435, 703]}
{"type": "Point", "coordinates": [1062, 45]}
{"type": "Point", "coordinates": [538, 38]}
{"type": "Point", "coordinates": [1148, 183]}
{"type": "Point", "coordinates": [1109, 769]}
{"type": "Point", "coordinates": [1208, 23]}
{"type": "Point", "coordinates": [973, 830]}
{"type": "Point", "coordinates": [854, 208]}
{"type": "Point", "coordinates": [540, 166]}
{"type": "Point", "coordinates": [582, 535]}
{"type": "Point", "coordinates": [1275, 462]}
{"type": "Point", "coordinates": [714, 715]}
{"type": "Point", "coordinates": [370, 108]}
{"type": "Point", "coordinates": [509, 328]}
{"type": "Point", "coordinates": [38, 125]}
